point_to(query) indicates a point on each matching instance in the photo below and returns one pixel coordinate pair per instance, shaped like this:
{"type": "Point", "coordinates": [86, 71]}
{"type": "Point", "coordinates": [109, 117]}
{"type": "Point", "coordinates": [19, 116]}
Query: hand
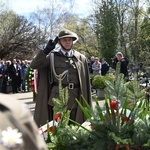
{"type": "Point", "coordinates": [55, 41]}
{"type": "Point", "coordinates": [51, 45]}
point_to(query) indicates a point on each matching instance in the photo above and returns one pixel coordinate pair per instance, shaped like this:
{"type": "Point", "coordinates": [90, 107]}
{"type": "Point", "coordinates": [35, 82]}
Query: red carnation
{"type": "Point", "coordinates": [57, 117]}
{"type": "Point", "coordinates": [31, 83]}
{"type": "Point", "coordinates": [113, 104]}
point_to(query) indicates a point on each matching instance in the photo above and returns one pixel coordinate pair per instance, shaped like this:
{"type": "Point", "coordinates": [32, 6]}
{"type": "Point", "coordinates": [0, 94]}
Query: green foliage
{"type": "Point", "coordinates": [141, 135]}
{"type": "Point", "coordinates": [144, 37]}
{"type": "Point", "coordinates": [66, 136]}
{"type": "Point", "coordinates": [107, 29]}
{"type": "Point", "coordinates": [123, 124]}
{"type": "Point", "coordinates": [135, 92]}
{"type": "Point", "coordinates": [98, 81]}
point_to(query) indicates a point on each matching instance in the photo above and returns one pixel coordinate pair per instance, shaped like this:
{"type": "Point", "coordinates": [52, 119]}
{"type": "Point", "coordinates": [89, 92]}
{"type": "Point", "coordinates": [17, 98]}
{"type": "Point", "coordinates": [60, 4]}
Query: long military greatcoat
{"type": "Point", "coordinates": [42, 61]}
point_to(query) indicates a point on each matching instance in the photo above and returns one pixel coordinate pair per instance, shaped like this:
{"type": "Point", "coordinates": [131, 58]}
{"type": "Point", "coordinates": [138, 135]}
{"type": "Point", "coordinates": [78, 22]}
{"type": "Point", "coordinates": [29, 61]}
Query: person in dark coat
{"type": "Point", "coordinates": [5, 78]}
{"type": "Point", "coordinates": [105, 67]}
{"type": "Point", "coordinates": [14, 75]}
{"type": "Point", "coordinates": [124, 63]}
{"type": "Point", "coordinates": [19, 77]}
{"type": "Point", "coordinates": [1, 74]}
{"type": "Point", "coordinates": [73, 68]}
{"type": "Point", "coordinates": [24, 67]}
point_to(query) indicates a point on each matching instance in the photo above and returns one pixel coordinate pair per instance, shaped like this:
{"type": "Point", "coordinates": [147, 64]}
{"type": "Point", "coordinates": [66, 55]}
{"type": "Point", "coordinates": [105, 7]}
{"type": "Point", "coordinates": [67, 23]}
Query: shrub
{"type": "Point", "coordinates": [98, 81]}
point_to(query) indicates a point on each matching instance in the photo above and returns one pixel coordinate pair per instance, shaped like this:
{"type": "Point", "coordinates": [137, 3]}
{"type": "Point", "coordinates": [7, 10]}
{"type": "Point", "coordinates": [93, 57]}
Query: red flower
{"type": "Point", "coordinates": [113, 104]}
{"type": "Point", "coordinates": [31, 83]}
{"type": "Point", "coordinates": [125, 118]}
{"type": "Point", "coordinates": [50, 129]}
{"type": "Point", "coordinates": [91, 127]}
{"type": "Point", "coordinates": [32, 88]}
{"type": "Point", "coordinates": [57, 117]}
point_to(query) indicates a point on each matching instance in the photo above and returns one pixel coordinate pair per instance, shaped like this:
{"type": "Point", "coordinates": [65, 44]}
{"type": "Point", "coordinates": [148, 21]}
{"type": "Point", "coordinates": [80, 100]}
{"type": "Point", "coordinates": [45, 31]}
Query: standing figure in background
{"type": "Point", "coordinates": [63, 62]}
{"type": "Point", "coordinates": [123, 63]}
{"type": "Point", "coordinates": [90, 63]}
{"type": "Point", "coordinates": [24, 67]}
{"type": "Point", "coordinates": [5, 78]}
{"type": "Point", "coordinates": [1, 74]}
{"type": "Point", "coordinates": [105, 67]}
{"type": "Point", "coordinates": [96, 67]}
{"type": "Point", "coordinates": [19, 77]}
{"type": "Point", "coordinates": [14, 73]}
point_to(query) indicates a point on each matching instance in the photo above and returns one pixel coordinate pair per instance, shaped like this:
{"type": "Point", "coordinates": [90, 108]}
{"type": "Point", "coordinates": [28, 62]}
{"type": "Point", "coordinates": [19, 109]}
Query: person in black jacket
{"type": "Point", "coordinates": [124, 63]}
{"type": "Point", "coordinates": [105, 67]}
{"type": "Point", "coordinates": [5, 78]}
{"type": "Point", "coordinates": [14, 73]}
{"type": "Point", "coordinates": [1, 75]}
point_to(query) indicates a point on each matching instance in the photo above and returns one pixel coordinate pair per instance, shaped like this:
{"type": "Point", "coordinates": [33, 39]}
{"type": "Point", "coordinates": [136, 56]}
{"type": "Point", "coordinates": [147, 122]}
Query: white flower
{"type": "Point", "coordinates": [87, 125]}
{"type": "Point", "coordinates": [11, 137]}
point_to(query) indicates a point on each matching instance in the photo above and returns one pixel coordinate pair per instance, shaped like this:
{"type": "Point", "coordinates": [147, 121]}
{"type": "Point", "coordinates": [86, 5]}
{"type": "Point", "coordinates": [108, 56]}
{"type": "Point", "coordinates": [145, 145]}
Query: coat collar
{"type": "Point", "coordinates": [75, 53]}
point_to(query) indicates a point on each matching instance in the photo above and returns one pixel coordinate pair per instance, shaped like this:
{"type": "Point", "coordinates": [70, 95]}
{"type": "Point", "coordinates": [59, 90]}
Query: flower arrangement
{"type": "Point", "coordinates": [122, 123]}
{"type": "Point", "coordinates": [30, 79]}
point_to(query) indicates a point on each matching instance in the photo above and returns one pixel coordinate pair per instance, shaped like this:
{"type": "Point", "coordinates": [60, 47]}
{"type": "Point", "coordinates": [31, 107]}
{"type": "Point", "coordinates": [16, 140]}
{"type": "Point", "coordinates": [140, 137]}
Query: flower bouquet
{"type": "Point", "coordinates": [30, 79]}
{"type": "Point", "coordinates": [123, 123]}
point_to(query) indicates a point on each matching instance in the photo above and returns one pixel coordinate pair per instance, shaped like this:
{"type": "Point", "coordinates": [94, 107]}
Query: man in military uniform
{"type": "Point", "coordinates": [72, 66]}
{"type": "Point", "coordinates": [18, 131]}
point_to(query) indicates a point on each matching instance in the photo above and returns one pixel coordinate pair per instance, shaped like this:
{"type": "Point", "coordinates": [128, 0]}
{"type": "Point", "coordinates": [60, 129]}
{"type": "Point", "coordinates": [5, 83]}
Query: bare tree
{"type": "Point", "coordinates": [17, 36]}
{"type": "Point", "coordinates": [50, 20]}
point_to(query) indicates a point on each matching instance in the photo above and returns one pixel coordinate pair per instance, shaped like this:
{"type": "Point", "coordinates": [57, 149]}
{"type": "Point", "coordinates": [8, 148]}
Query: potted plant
{"type": "Point", "coordinates": [99, 84]}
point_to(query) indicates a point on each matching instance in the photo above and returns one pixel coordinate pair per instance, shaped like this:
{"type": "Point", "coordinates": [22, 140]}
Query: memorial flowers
{"type": "Point", "coordinates": [116, 125]}
{"type": "Point", "coordinates": [32, 79]}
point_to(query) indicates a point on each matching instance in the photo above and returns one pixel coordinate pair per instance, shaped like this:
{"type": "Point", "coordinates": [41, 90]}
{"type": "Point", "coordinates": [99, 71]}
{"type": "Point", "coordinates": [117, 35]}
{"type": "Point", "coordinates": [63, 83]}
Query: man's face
{"type": "Point", "coordinates": [14, 61]}
{"type": "Point", "coordinates": [92, 59]}
{"type": "Point", "coordinates": [66, 43]}
{"type": "Point", "coordinates": [119, 57]}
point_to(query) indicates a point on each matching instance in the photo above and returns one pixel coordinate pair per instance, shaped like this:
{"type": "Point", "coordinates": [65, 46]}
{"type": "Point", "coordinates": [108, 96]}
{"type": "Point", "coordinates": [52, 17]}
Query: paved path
{"type": "Point", "coordinates": [26, 98]}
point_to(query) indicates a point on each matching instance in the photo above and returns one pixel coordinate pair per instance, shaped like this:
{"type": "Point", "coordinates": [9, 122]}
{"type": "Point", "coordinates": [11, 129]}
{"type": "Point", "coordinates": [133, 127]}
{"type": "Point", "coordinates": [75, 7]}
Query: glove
{"type": "Point", "coordinates": [51, 45]}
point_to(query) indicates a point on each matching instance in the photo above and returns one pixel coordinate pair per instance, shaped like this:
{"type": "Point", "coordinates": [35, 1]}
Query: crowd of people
{"type": "Point", "coordinates": [97, 67]}
{"type": "Point", "coordinates": [101, 67]}
{"type": "Point", "coordinates": [14, 72]}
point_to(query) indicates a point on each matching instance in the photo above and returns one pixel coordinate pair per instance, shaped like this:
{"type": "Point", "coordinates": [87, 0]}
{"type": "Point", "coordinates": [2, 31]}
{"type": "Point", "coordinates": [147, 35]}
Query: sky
{"type": "Point", "coordinates": [24, 7]}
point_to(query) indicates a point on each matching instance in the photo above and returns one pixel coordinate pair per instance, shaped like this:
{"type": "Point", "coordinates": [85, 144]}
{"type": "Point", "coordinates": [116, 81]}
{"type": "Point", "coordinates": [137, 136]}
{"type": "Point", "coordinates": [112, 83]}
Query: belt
{"type": "Point", "coordinates": [70, 85]}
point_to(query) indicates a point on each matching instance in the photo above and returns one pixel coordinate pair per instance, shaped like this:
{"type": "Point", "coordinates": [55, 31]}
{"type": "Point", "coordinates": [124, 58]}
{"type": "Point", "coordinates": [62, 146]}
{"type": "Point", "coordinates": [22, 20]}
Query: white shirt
{"type": "Point", "coordinates": [69, 52]}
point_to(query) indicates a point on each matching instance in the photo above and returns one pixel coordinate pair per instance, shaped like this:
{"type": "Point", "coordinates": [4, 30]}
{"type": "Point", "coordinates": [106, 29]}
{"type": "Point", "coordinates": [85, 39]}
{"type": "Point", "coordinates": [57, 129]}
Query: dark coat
{"type": "Point", "coordinates": [42, 62]}
{"type": "Point", "coordinates": [105, 68]}
{"type": "Point", "coordinates": [123, 66]}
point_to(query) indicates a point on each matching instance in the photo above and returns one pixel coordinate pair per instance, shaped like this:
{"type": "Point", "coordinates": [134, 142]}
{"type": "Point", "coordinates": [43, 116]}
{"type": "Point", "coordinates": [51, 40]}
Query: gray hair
{"type": "Point", "coordinates": [120, 54]}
